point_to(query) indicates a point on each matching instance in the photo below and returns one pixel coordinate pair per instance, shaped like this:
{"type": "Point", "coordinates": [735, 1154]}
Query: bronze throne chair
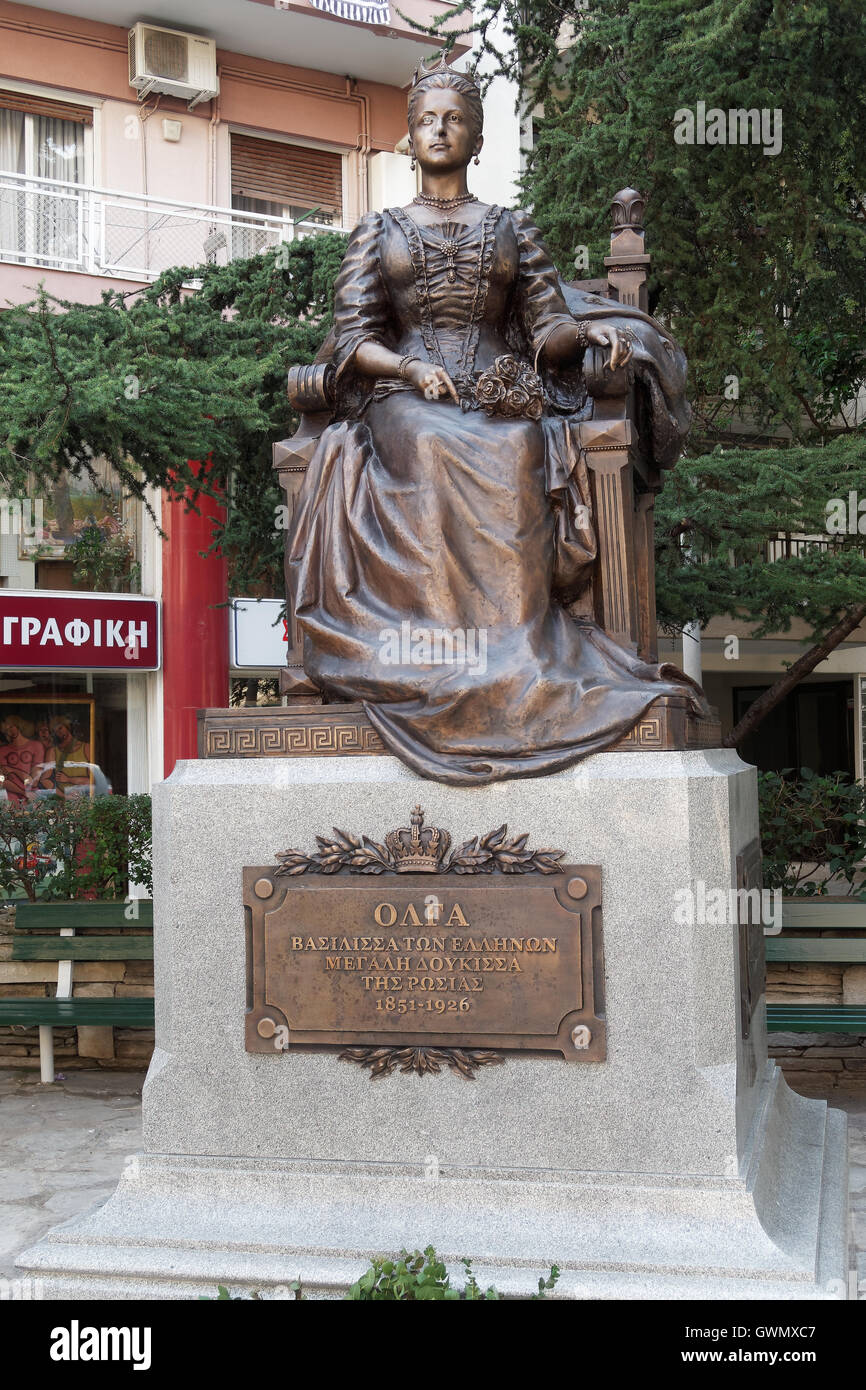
{"type": "Point", "coordinates": [624, 481]}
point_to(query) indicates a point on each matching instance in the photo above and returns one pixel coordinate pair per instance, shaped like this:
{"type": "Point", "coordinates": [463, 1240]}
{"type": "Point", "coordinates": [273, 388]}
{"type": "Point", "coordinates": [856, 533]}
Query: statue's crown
{"type": "Point", "coordinates": [439, 65]}
{"type": "Point", "coordinates": [416, 850]}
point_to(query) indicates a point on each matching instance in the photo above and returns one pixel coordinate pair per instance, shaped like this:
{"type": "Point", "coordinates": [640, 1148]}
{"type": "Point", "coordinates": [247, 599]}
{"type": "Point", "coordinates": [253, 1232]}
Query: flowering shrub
{"type": "Point", "coordinates": [60, 848]}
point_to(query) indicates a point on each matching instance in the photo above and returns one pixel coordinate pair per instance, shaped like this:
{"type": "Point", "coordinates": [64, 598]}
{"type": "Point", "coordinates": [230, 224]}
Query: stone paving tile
{"type": "Point", "coordinates": [62, 1150]}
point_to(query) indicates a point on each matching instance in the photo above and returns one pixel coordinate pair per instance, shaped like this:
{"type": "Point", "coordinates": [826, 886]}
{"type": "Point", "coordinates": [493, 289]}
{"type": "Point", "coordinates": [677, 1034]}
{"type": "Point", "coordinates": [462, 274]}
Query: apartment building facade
{"type": "Point", "coordinates": [131, 142]}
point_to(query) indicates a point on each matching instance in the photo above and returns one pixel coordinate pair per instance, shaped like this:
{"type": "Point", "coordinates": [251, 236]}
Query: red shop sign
{"type": "Point", "coordinates": [72, 632]}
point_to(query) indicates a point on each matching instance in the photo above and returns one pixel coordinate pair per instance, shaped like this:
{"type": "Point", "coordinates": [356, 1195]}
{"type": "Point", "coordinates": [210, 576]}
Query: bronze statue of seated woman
{"type": "Point", "coordinates": [443, 544]}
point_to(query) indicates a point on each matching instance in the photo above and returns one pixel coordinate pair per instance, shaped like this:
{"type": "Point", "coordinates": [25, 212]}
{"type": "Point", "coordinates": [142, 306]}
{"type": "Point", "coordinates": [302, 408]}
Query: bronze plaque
{"type": "Point", "coordinates": [491, 960]}
{"type": "Point", "coordinates": [752, 951]}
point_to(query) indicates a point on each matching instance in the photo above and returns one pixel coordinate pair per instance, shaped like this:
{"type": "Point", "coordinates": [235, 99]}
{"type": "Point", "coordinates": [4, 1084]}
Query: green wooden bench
{"type": "Point", "coordinates": [57, 1013]}
{"type": "Point", "coordinates": [130, 947]}
{"type": "Point", "coordinates": [46, 932]}
{"type": "Point", "coordinates": [818, 914]}
{"type": "Point", "coordinates": [83, 916]}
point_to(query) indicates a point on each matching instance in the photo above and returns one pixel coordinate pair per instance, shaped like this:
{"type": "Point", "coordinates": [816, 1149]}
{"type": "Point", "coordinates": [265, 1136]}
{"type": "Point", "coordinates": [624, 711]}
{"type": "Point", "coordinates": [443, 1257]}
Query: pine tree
{"type": "Point", "coordinates": [159, 378]}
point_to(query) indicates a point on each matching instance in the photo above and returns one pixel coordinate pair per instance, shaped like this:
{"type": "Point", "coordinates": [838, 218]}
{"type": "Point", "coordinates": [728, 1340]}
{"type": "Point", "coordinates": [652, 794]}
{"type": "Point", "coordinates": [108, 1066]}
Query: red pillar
{"type": "Point", "coordinates": [195, 640]}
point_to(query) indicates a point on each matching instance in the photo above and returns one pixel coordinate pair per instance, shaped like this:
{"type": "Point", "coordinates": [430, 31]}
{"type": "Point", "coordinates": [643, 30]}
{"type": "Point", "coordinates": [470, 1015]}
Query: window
{"type": "Point", "coordinates": [282, 180]}
{"type": "Point", "coordinates": [812, 727]}
{"type": "Point", "coordinates": [41, 139]}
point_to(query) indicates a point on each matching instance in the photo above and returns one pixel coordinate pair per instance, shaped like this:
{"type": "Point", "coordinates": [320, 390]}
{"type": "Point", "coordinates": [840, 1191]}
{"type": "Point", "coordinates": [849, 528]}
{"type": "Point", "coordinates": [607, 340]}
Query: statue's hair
{"type": "Point", "coordinates": [459, 83]}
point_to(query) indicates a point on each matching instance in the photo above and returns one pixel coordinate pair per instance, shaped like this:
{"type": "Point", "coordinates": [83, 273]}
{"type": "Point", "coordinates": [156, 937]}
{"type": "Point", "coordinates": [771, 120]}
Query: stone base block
{"type": "Point", "coordinates": [681, 1166]}
{"type": "Point", "coordinates": [178, 1226]}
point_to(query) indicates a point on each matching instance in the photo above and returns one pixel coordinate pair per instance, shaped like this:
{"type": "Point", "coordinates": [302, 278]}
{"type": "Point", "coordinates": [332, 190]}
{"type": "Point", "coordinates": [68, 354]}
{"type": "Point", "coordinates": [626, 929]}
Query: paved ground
{"type": "Point", "coordinates": [62, 1149]}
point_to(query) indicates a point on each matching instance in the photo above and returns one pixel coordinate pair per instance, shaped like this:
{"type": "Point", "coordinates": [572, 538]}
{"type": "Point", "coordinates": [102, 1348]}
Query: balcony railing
{"type": "Point", "coordinates": [72, 226]}
{"type": "Point", "coordinates": [786, 546]}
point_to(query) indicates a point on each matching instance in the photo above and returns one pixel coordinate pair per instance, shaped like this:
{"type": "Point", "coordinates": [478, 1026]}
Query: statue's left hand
{"type": "Point", "coordinates": [620, 347]}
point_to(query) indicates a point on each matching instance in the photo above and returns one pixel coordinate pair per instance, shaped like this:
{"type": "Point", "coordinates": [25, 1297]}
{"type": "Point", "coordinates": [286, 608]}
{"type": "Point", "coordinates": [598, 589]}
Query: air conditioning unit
{"type": "Point", "coordinates": [169, 61]}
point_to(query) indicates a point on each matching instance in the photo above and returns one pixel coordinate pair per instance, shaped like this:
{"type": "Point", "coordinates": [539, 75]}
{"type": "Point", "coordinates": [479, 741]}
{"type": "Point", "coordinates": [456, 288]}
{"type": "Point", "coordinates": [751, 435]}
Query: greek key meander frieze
{"type": "Point", "coordinates": [647, 734]}
{"type": "Point", "coordinates": [291, 741]}
{"type": "Point", "coordinates": [282, 732]}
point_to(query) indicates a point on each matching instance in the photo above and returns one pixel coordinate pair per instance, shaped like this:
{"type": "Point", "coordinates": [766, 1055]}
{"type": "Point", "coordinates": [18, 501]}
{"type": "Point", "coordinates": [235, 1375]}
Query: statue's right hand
{"type": "Point", "coordinates": [433, 382]}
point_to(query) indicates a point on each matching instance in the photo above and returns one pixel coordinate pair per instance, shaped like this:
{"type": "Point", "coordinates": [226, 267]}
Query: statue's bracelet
{"type": "Point", "coordinates": [404, 362]}
{"type": "Point", "coordinates": [583, 334]}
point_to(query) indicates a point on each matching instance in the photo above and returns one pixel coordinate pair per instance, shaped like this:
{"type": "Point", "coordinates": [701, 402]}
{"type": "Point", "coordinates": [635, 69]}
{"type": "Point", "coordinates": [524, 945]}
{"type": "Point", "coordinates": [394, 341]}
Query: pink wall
{"type": "Point", "coordinates": [134, 156]}
{"type": "Point", "coordinates": [18, 284]}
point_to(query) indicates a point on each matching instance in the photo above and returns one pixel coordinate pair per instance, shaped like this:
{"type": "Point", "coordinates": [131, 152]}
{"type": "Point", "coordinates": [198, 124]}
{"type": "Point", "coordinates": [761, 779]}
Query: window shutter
{"type": "Point", "coordinates": [293, 175]}
{"type": "Point", "coordinates": [41, 106]}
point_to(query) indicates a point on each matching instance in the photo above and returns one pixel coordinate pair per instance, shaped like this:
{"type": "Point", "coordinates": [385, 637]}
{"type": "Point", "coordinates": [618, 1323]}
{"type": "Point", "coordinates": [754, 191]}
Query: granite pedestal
{"type": "Point", "coordinates": [681, 1167]}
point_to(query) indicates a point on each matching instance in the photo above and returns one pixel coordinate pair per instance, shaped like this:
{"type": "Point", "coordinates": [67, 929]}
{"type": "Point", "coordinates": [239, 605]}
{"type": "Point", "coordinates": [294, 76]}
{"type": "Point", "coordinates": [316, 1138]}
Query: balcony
{"type": "Point", "coordinates": [373, 42]}
{"type": "Point", "coordinates": [74, 227]}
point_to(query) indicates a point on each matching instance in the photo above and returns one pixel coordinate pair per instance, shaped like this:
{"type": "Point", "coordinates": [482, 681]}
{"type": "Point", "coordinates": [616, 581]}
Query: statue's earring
{"type": "Point", "coordinates": [412, 165]}
{"type": "Point", "coordinates": [477, 160]}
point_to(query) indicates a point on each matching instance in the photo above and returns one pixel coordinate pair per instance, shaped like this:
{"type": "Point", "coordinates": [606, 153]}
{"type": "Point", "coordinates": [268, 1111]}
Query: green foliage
{"type": "Point", "coordinates": [117, 834]}
{"type": "Point", "coordinates": [61, 849]}
{"type": "Point", "coordinates": [545, 1285]}
{"type": "Point", "coordinates": [154, 379]}
{"type": "Point", "coordinates": [806, 819]}
{"type": "Point", "coordinates": [424, 1278]}
{"type": "Point", "coordinates": [713, 521]}
{"type": "Point", "coordinates": [416, 1277]}
{"type": "Point", "coordinates": [31, 841]}
{"type": "Point", "coordinates": [223, 1295]}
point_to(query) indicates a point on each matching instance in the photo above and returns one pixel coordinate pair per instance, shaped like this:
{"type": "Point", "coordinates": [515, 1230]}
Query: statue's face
{"type": "Point", "coordinates": [442, 135]}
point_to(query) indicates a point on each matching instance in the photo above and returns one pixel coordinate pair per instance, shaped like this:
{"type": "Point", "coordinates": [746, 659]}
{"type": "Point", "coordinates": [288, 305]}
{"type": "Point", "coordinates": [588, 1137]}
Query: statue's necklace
{"type": "Point", "coordinates": [446, 204]}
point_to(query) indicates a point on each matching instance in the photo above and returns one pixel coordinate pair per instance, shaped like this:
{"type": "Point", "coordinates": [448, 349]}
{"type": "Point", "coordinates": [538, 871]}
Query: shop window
{"type": "Point", "coordinates": [87, 535]}
{"type": "Point", "coordinates": [62, 736]}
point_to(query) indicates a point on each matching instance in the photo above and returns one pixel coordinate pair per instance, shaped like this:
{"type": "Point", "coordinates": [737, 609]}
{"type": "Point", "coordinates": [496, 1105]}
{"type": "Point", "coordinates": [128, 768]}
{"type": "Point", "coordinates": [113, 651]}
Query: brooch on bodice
{"type": "Point", "coordinates": [449, 251]}
{"type": "Point", "coordinates": [447, 243]}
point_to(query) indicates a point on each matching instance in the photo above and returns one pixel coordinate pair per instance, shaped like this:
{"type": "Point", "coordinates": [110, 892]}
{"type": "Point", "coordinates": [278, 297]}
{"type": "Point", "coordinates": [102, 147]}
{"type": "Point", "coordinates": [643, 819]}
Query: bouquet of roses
{"type": "Point", "coordinates": [510, 388]}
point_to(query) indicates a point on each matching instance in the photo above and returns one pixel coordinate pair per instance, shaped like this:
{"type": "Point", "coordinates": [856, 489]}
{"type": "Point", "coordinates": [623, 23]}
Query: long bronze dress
{"type": "Point", "coordinates": [420, 516]}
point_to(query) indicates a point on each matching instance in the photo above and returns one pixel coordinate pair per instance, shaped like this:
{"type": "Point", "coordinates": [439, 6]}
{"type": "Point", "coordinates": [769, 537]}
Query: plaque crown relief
{"type": "Point", "coordinates": [419, 849]}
